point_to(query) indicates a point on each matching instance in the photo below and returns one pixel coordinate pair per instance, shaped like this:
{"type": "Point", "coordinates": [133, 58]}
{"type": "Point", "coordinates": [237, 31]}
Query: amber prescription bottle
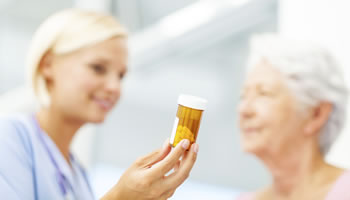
{"type": "Point", "coordinates": [188, 118]}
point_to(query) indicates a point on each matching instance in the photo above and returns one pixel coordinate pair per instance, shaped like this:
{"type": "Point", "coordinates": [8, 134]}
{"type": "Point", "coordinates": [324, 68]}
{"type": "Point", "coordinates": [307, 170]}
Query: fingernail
{"type": "Point", "coordinates": [185, 143]}
{"type": "Point", "coordinates": [195, 148]}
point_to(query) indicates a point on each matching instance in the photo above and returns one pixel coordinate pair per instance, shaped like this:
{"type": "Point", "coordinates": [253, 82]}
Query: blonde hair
{"type": "Point", "coordinates": [65, 32]}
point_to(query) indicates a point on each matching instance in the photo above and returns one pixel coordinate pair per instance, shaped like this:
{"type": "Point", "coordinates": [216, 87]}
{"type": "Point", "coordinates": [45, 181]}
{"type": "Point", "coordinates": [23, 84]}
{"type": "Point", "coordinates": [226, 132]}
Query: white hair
{"type": "Point", "coordinates": [65, 32]}
{"type": "Point", "coordinates": [312, 74]}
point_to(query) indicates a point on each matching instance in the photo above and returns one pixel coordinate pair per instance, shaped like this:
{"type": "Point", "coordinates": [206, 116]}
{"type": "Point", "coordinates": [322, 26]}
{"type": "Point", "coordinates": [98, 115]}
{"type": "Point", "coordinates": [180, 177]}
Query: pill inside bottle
{"type": "Point", "coordinates": [188, 118]}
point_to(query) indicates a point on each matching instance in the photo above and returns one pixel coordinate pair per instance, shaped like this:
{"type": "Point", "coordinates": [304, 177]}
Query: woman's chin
{"type": "Point", "coordinates": [97, 118]}
{"type": "Point", "coordinates": [96, 121]}
{"type": "Point", "coordinates": [251, 148]}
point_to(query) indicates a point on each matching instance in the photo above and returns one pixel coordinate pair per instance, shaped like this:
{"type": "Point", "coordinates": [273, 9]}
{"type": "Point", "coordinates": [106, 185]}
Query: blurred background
{"type": "Point", "coordinates": [196, 47]}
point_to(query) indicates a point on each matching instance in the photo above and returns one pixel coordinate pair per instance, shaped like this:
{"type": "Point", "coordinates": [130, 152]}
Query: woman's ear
{"type": "Point", "coordinates": [45, 66]}
{"type": "Point", "coordinates": [319, 118]}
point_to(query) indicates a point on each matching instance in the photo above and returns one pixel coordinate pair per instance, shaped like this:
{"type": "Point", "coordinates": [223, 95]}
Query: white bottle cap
{"type": "Point", "coordinates": [192, 102]}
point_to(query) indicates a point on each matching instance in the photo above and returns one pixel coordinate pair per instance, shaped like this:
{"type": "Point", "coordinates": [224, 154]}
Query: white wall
{"type": "Point", "coordinates": [98, 5]}
{"type": "Point", "coordinates": [325, 22]}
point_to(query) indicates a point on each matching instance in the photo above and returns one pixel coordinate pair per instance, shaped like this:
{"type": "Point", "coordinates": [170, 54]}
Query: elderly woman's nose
{"type": "Point", "coordinates": [246, 108]}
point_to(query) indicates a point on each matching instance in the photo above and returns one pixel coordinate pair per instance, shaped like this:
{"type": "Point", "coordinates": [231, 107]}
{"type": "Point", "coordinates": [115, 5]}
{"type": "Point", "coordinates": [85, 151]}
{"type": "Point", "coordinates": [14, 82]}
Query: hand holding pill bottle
{"type": "Point", "coordinates": [188, 118]}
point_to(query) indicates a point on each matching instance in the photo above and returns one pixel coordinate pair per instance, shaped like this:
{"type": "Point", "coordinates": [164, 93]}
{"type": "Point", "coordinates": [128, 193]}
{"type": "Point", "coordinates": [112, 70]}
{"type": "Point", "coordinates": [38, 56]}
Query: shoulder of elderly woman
{"type": "Point", "coordinates": [340, 189]}
{"type": "Point", "coordinates": [246, 196]}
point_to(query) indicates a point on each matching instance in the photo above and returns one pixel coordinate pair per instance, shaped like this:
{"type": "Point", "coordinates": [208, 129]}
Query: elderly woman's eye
{"type": "Point", "coordinates": [98, 69]}
{"type": "Point", "coordinates": [265, 93]}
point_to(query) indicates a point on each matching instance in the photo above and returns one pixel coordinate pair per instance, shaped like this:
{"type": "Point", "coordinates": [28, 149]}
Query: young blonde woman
{"type": "Point", "coordinates": [77, 60]}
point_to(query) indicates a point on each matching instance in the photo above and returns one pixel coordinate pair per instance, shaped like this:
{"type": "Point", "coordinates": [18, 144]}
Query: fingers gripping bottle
{"type": "Point", "coordinates": [188, 118]}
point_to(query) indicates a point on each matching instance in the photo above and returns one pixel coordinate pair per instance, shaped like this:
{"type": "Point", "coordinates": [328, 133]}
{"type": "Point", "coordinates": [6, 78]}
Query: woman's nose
{"type": "Point", "coordinates": [113, 85]}
{"type": "Point", "coordinates": [246, 108]}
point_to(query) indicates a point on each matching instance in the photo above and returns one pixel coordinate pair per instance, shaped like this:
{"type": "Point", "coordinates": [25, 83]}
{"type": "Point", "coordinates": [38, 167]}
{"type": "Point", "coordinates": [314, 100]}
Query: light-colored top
{"type": "Point", "coordinates": [33, 168]}
{"type": "Point", "coordinates": [339, 191]}
{"type": "Point", "coordinates": [341, 188]}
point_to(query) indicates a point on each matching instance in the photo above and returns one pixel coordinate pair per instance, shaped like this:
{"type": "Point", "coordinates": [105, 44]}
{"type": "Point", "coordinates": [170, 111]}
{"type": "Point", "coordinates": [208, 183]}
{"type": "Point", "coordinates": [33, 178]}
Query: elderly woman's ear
{"type": "Point", "coordinates": [318, 118]}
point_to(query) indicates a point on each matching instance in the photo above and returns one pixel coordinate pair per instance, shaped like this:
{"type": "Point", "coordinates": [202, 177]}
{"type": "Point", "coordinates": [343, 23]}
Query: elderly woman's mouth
{"type": "Point", "coordinates": [251, 130]}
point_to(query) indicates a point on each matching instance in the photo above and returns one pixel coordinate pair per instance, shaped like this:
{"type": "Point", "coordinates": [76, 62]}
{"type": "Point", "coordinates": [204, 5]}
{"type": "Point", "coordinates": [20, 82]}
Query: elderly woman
{"type": "Point", "coordinates": [291, 111]}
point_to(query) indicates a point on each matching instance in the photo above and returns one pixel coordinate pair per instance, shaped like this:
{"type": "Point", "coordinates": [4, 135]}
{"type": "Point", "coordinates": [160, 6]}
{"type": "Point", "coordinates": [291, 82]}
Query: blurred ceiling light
{"type": "Point", "coordinates": [237, 2]}
{"type": "Point", "coordinates": [188, 18]}
{"type": "Point", "coordinates": [195, 15]}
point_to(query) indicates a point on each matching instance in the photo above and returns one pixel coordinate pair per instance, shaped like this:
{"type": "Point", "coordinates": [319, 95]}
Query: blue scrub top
{"type": "Point", "coordinates": [26, 169]}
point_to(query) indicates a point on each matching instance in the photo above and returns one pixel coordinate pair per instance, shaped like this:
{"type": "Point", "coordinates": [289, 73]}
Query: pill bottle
{"type": "Point", "coordinates": [188, 118]}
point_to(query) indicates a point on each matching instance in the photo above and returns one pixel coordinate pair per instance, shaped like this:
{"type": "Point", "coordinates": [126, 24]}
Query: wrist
{"type": "Point", "coordinates": [113, 194]}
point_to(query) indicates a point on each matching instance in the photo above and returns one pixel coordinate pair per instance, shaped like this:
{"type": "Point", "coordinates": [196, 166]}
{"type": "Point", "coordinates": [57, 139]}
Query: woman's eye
{"type": "Point", "coordinates": [121, 76]}
{"type": "Point", "coordinates": [264, 93]}
{"type": "Point", "coordinates": [98, 69]}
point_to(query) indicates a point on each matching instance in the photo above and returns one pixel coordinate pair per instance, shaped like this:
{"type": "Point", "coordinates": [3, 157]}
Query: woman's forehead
{"type": "Point", "coordinates": [264, 74]}
{"type": "Point", "coordinates": [109, 51]}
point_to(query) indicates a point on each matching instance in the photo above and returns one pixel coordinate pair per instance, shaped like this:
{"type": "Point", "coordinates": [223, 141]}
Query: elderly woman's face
{"type": "Point", "coordinates": [269, 116]}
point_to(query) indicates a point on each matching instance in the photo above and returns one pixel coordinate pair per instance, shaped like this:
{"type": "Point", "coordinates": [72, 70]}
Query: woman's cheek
{"type": "Point", "coordinates": [265, 108]}
{"type": "Point", "coordinates": [89, 82]}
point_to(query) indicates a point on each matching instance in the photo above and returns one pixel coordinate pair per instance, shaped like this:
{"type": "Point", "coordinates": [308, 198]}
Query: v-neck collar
{"type": "Point", "coordinates": [67, 169]}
